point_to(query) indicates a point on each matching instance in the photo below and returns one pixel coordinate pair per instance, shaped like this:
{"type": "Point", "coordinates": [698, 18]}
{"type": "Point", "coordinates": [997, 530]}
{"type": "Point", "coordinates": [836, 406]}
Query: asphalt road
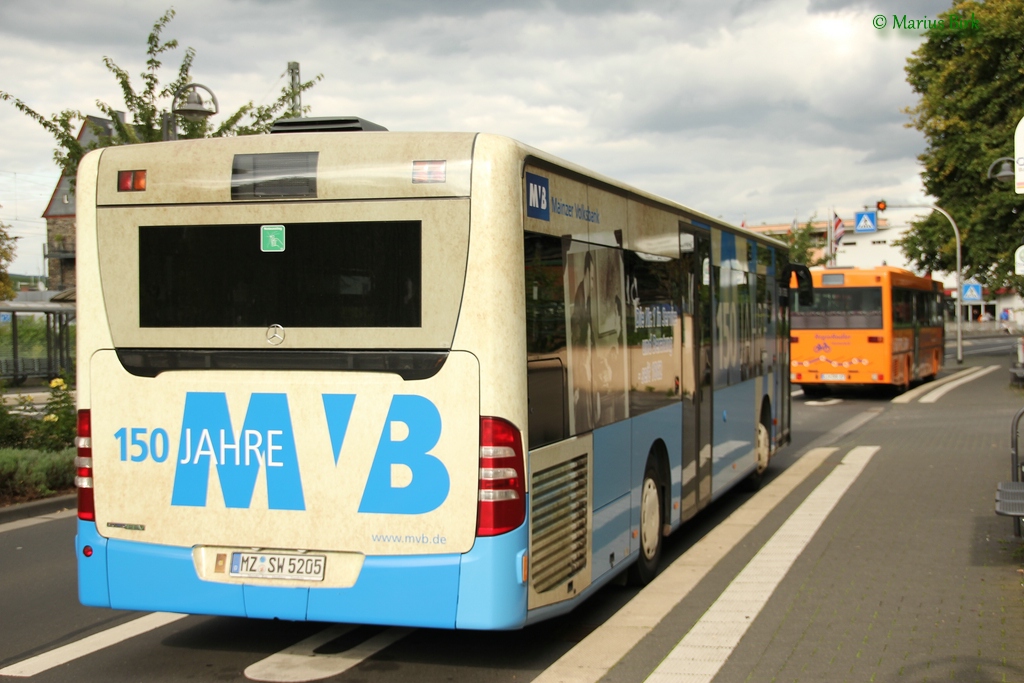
{"type": "Point", "coordinates": [925, 491]}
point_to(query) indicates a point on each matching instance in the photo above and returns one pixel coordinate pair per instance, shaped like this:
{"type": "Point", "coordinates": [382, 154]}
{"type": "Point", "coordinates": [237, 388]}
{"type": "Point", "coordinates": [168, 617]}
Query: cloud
{"type": "Point", "coordinates": [741, 108]}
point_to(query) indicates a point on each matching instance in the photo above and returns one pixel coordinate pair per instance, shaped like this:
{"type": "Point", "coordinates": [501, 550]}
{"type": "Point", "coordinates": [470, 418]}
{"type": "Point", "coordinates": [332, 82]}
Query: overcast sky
{"type": "Point", "coordinates": [744, 109]}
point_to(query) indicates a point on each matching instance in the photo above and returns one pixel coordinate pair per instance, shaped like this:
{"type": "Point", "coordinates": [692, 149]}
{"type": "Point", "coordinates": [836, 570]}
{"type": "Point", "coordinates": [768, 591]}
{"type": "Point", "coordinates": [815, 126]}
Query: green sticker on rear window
{"type": "Point", "coordinates": [272, 238]}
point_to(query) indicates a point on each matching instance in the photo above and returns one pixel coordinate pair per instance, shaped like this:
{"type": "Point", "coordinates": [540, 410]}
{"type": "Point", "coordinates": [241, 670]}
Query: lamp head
{"type": "Point", "coordinates": [1005, 173]}
{"type": "Point", "coordinates": [194, 108]}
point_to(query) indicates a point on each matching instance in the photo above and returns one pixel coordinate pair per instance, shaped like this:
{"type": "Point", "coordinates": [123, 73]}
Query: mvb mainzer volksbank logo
{"type": "Point", "coordinates": [540, 203]}
{"type": "Point", "coordinates": [537, 197]}
{"type": "Point", "coordinates": [410, 431]}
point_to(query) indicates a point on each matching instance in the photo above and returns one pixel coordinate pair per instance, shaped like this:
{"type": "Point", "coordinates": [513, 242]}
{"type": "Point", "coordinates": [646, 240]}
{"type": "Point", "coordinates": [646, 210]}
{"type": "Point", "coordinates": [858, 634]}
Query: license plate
{"type": "Point", "coordinates": [825, 377]}
{"type": "Point", "coordinates": [278, 566]}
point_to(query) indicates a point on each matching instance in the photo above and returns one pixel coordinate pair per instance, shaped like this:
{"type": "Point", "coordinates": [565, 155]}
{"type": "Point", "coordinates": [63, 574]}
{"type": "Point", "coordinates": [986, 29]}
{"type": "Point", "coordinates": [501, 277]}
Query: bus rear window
{"type": "Point", "coordinates": [364, 274]}
{"type": "Point", "coordinates": [849, 308]}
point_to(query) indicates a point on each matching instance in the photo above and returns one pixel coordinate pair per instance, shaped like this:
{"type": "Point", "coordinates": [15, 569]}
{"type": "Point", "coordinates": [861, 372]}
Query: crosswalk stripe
{"type": "Point", "coordinates": [701, 653]}
{"type": "Point", "coordinates": [90, 644]}
{"type": "Point", "coordinates": [908, 396]}
{"type": "Point", "coordinates": [942, 391]}
{"type": "Point", "coordinates": [300, 663]}
{"type": "Point", "coordinates": [596, 654]}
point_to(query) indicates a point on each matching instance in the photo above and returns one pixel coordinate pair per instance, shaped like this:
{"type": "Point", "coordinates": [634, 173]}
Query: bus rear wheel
{"type": "Point", "coordinates": [762, 456]}
{"type": "Point", "coordinates": [814, 391]}
{"type": "Point", "coordinates": [645, 568]}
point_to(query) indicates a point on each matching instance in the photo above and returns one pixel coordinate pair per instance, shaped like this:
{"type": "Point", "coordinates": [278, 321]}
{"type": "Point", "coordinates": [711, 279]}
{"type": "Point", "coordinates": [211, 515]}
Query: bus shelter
{"type": "Point", "coordinates": [18, 362]}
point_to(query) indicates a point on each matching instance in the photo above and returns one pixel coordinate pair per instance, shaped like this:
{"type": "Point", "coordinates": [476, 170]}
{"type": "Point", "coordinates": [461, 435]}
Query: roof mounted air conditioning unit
{"type": "Point", "coordinates": [325, 124]}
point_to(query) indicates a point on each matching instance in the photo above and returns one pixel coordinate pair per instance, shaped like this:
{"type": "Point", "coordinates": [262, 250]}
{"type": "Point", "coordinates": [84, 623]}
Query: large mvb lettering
{"type": "Point", "coordinates": [338, 409]}
{"type": "Point", "coordinates": [411, 430]}
{"type": "Point", "coordinates": [266, 440]}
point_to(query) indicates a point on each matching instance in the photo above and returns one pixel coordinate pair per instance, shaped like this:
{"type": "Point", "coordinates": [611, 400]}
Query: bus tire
{"type": "Point", "coordinates": [762, 451]}
{"type": "Point", "coordinates": [643, 571]}
{"type": "Point", "coordinates": [814, 391]}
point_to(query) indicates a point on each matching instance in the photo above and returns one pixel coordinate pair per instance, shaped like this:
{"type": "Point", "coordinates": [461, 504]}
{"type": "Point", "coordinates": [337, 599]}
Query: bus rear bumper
{"type": "Point", "coordinates": [478, 590]}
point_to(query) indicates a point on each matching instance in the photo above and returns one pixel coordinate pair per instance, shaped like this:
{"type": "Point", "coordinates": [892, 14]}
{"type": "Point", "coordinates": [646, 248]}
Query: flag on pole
{"type": "Point", "coordinates": [837, 229]}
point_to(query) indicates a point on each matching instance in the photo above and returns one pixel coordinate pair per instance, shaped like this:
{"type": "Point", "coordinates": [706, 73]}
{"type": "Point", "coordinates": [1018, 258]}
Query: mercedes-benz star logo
{"type": "Point", "coordinates": [275, 335]}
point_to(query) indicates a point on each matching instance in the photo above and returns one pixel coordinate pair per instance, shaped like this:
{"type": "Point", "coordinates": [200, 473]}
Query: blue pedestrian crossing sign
{"type": "Point", "coordinates": [865, 221]}
{"type": "Point", "coordinates": [971, 293]}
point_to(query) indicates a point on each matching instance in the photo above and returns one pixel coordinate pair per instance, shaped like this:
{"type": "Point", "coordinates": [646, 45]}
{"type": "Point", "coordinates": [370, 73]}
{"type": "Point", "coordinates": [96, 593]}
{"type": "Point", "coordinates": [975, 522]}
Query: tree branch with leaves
{"type": "Point", "coordinates": [148, 106]}
{"type": "Point", "coordinates": [8, 247]}
{"type": "Point", "coordinates": [971, 87]}
{"type": "Point", "coordinates": [804, 243]}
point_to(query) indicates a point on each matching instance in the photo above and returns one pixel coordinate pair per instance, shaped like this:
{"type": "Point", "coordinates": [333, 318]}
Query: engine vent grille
{"type": "Point", "coordinates": [324, 124]}
{"type": "Point", "coordinates": [558, 505]}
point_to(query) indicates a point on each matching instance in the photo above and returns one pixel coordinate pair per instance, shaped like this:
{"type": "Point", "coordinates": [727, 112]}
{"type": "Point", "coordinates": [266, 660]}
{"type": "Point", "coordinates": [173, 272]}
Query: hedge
{"type": "Point", "coordinates": [27, 474]}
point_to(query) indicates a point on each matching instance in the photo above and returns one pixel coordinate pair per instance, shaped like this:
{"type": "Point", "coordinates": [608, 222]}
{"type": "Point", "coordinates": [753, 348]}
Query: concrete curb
{"type": "Point", "coordinates": [34, 508]}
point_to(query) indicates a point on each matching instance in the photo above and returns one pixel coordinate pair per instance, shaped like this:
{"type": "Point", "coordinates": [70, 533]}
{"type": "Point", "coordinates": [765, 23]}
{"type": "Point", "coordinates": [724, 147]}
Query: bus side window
{"type": "Point", "coordinates": [546, 382]}
{"type": "Point", "coordinates": [547, 390]}
{"type": "Point", "coordinates": [655, 332]}
{"type": "Point", "coordinates": [902, 307]}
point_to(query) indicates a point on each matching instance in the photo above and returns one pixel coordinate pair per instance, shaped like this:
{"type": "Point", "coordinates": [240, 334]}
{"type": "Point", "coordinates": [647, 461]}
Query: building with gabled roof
{"type": "Point", "coordinates": [60, 215]}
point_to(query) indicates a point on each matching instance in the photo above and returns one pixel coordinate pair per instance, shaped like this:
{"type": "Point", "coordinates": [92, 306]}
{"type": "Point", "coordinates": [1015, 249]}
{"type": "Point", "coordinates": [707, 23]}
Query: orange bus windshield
{"type": "Point", "coordinates": [850, 308]}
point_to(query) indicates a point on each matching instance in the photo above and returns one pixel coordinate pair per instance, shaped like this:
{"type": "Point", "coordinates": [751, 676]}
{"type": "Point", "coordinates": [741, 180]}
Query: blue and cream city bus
{"type": "Point", "coordinates": [342, 374]}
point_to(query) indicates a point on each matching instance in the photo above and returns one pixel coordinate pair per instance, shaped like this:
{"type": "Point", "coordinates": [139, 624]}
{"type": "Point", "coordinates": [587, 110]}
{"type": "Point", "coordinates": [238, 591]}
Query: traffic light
{"type": "Point", "coordinates": [880, 205]}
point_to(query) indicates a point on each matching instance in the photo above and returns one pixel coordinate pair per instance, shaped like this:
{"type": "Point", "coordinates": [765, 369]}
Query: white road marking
{"type": "Point", "coordinates": [942, 391]}
{"type": "Point", "coordinates": [299, 662]}
{"type": "Point", "coordinates": [908, 396]}
{"type": "Point", "coordinates": [90, 644]}
{"type": "Point", "coordinates": [596, 654]}
{"type": "Point", "coordinates": [701, 653]}
{"type": "Point", "coordinates": [824, 402]}
{"type": "Point", "coordinates": [39, 519]}
{"type": "Point", "coordinates": [798, 392]}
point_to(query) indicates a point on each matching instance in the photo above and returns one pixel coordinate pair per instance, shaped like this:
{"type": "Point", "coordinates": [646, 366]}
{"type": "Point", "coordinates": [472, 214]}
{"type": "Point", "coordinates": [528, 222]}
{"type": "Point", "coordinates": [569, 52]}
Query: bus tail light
{"type": "Point", "coordinates": [876, 340]}
{"type": "Point", "coordinates": [794, 340]}
{"type": "Point", "coordinates": [502, 498]}
{"type": "Point", "coordinates": [131, 181]}
{"type": "Point", "coordinates": [83, 468]}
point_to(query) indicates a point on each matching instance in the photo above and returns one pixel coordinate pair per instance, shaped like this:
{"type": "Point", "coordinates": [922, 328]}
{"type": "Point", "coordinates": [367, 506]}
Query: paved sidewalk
{"type": "Point", "coordinates": [34, 508]}
{"type": "Point", "coordinates": [914, 577]}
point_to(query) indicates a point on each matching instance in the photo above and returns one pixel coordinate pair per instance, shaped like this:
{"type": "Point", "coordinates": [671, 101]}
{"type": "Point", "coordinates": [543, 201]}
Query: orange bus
{"type": "Point", "coordinates": [875, 326]}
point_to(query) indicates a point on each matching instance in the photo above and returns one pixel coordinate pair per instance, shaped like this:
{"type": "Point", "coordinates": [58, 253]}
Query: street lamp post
{"type": "Point", "coordinates": [193, 108]}
{"type": "Point", "coordinates": [1005, 173]}
{"type": "Point", "coordinates": [959, 283]}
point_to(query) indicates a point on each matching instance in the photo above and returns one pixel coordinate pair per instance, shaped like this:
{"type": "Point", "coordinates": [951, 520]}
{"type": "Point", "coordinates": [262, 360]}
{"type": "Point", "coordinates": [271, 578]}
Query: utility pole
{"type": "Point", "coordinates": [293, 73]}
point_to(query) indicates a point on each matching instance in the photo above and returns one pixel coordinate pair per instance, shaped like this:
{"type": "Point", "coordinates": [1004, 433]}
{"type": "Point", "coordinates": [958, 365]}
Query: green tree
{"type": "Point", "coordinates": [803, 243]}
{"type": "Point", "coordinates": [148, 105]}
{"type": "Point", "coordinates": [8, 246]}
{"type": "Point", "coordinates": [971, 85]}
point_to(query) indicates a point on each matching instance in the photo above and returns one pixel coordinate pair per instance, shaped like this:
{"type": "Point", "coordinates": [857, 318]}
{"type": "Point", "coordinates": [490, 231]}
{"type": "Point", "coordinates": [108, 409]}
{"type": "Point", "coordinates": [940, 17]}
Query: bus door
{"type": "Point", "coordinates": [782, 349]}
{"type": "Point", "coordinates": [920, 315]}
{"type": "Point", "coordinates": [695, 260]}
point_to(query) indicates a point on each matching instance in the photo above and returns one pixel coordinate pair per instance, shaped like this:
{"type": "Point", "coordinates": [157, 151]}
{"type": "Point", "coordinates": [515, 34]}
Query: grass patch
{"type": "Point", "coordinates": [28, 474]}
